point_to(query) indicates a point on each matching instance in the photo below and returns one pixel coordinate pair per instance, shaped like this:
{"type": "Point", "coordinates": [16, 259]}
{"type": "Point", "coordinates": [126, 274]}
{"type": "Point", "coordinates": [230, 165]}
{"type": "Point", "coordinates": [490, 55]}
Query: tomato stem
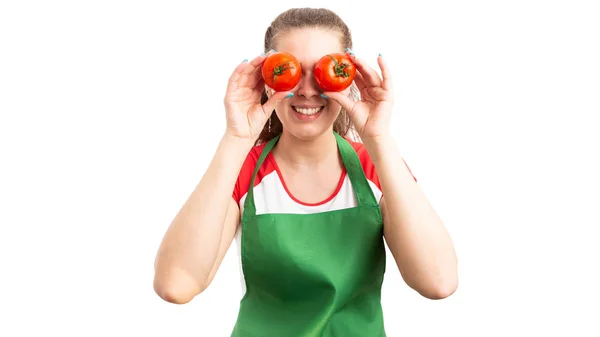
{"type": "Point", "coordinates": [280, 70]}
{"type": "Point", "coordinates": [339, 69]}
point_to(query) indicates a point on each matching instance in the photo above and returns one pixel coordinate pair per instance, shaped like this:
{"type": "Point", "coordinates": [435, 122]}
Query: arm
{"type": "Point", "coordinates": [413, 231]}
{"type": "Point", "coordinates": [416, 236]}
{"type": "Point", "coordinates": [197, 239]}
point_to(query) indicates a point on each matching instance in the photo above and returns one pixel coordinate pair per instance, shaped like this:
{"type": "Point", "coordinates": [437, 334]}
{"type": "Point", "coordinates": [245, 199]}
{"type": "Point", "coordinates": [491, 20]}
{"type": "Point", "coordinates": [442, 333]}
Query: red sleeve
{"type": "Point", "coordinates": [245, 175]}
{"type": "Point", "coordinates": [369, 167]}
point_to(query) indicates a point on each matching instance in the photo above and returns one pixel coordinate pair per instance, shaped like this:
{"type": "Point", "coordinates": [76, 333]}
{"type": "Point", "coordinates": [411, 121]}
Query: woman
{"type": "Point", "coordinates": [311, 228]}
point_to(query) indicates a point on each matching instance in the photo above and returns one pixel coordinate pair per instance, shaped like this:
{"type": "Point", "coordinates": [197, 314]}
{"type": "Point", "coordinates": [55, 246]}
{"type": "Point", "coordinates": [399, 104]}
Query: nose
{"type": "Point", "coordinates": [308, 87]}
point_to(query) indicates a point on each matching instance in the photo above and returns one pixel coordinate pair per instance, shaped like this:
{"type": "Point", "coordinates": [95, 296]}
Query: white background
{"type": "Point", "coordinates": [111, 111]}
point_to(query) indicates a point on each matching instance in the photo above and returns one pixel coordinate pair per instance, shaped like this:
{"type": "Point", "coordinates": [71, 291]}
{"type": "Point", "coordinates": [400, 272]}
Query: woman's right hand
{"type": "Point", "coordinates": [246, 116]}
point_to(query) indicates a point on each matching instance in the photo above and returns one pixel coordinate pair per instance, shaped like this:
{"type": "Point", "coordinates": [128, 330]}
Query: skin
{"type": "Point", "coordinates": [201, 233]}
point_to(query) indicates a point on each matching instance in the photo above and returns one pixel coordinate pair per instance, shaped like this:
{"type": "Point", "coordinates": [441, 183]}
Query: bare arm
{"type": "Point", "coordinates": [197, 239]}
{"type": "Point", "coordinates": [416, 236]}
{"type": "Point", "coordinates": [413, 231]}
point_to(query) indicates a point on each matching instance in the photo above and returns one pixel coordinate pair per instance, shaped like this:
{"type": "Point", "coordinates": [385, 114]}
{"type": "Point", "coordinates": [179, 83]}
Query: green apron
{"type": "Point", "coordinates": [313, 275]}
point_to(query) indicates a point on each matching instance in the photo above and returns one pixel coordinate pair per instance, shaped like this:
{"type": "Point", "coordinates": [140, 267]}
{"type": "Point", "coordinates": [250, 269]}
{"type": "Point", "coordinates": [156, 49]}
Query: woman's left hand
{"type": "Point", "coordinates": [371, 115]}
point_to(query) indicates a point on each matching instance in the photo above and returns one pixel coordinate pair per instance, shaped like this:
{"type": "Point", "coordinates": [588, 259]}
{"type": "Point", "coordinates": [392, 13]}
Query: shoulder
{"type": "Point", "coordinates": [361, 151]}
{"type": "Point", "coordinates": [247, 170]}
{"type": "Point", "coordinates": [365, 161]}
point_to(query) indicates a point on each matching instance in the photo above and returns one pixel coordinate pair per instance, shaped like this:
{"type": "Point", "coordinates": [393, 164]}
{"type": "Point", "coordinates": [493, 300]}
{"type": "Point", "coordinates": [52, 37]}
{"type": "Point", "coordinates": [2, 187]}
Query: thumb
{"type": "Point", "coordinates": [341, 99]}
{"type": "Point", "coordinates": [272, 102]}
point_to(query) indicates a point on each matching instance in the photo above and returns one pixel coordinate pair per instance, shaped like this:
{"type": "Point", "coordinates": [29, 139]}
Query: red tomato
{"type": "Point", "coordinates": [281, 71]}
{"type": "Point", "coordinates": [334, 72]}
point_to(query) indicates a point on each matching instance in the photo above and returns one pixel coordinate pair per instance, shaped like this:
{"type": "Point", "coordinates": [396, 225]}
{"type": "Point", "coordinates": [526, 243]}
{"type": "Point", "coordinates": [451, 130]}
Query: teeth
{"type": "Point", "coordinates": [311, 111]}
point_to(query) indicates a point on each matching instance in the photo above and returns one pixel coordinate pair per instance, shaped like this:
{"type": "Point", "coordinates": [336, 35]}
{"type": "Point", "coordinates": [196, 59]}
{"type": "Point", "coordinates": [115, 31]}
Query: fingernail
{"type": "Point", "coordinates": [272, 50]}
{"type": "Point", "coordinates": [289, 95]}
{"type": "Point", "coordinates": [350, 51]}
{"type": "Point", "coordinates": [323, 95]}
{"type": "Point", "coordinates": [380, 55]}
{"type": "Point", "coordinates": [245, 60]}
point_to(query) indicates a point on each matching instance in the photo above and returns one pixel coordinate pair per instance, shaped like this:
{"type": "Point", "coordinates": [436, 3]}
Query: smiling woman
{"type": "Point", "coordinates": [310, 104]}
{"type": "Point", "coordinates": [309, 206]}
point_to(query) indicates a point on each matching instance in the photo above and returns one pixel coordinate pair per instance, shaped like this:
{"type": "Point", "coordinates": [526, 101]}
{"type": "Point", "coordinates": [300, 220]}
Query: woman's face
{"type": "Point", "coordinates": [307, 115]}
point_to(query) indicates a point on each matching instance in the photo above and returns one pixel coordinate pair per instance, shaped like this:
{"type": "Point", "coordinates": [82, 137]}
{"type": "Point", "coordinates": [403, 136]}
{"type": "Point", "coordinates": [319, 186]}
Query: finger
{"type": "Point", "coordinates": [260, 85]}
{"type": "Point", "coordinates": [370, 76]}
{"type": "Point", "coordinates": [253, 73]}
{"type": "Point", "coordinates": [231, 84]}
{"type": "Point", "coordinates": [256, 63]}
{"type": "Point", "coordinates": [270, 52]}
{"type": "Point", "coordinates": [346, 102]}
{"type": "Point", "coordinates": [349, 105]}
{"type": "Point", "coordinates": [385, 73]}
{"type": "Point", "coordinates": [275, 99]}
{"type": "Point", "coordinates": [360, 81]}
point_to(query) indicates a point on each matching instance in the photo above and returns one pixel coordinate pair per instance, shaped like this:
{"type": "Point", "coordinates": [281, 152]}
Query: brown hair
{"type": "Point", "coordinates": [303, 18]}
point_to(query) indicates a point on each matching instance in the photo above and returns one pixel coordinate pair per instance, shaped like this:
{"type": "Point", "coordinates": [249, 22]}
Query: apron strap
{"type": "Point", "coordinates": [360, 184]}
{"type": "Point", "coordinates": [249, 207]}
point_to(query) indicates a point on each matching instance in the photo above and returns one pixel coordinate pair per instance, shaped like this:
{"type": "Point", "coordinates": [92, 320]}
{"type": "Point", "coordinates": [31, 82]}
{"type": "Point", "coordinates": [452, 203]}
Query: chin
{"type": "Point", "coordinates": [306, 133]}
